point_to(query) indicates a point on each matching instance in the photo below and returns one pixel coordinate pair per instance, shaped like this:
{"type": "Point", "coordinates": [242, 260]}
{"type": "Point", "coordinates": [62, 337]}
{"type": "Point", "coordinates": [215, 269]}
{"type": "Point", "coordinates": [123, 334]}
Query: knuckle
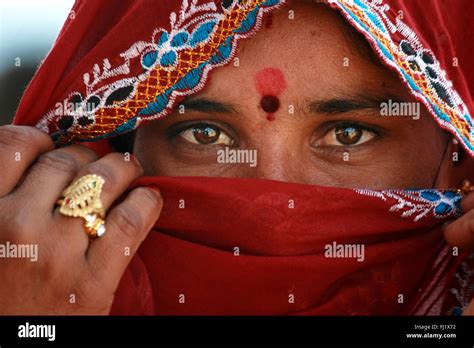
{"type": "Point", "coordinates": [103, 170]}
{"type": "Point", "coordinates": [84, 151]}
{"type": "Point", "coordinates": [20, 137]}
{"type": "Point", "coordinates": [127, 223]}
{"type": "Point", "coordinates": [59, 161]}
{"type": "Point", "coordinates": [15, 227]}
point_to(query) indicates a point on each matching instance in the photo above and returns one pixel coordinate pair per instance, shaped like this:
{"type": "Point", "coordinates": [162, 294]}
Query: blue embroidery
{"type": "Point", "coordinates": [158, 105]}
{"type": "Point", "coordinates": [179, 39]}
{"type": "Point", "coordinates": [420, 203]}
{"type": "Point", "coordinates": [169, 59]}
{"type": "Point", "coordinates": [191, 79]}
{"type": "Point", "coordinates": [249, 22]}
{"type": "Point", "coordinates": [149, 59]}
{"type": "Point", "coordinates": [163, 37]}
{"type": "Point", "coordinates": [223, 52]}
{"type": "Point", "coordinates": [202, 33]}
{"type": "Point", "coordinates": [372, 18]}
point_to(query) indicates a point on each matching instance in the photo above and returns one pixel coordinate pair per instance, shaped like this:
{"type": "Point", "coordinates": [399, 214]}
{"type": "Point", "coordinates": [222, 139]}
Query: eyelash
{"type": "Point", "coordinates": [334, 124]}
{"type": "Point", "coordinates": [331, 126]}
{"type": "Point", "coordinates": [176, 130]}
{"type": "Point", "coordinates": [324, 129]}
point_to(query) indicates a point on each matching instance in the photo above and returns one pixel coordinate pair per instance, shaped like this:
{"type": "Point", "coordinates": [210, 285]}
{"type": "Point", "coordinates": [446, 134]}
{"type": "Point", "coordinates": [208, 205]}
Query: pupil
{"type": "Point", "coordinates": [348, 135]}
{"type": "Point", "coordinates": [206, 135]}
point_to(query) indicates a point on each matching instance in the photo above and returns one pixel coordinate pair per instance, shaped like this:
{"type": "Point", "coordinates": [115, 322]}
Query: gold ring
{"type": "Point", "coordinates": [82, 199]}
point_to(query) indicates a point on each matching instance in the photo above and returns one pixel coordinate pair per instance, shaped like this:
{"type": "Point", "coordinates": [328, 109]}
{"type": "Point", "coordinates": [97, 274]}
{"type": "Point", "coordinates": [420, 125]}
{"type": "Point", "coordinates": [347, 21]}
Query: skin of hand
{"type": "Point", "coordinates": [460, 233]}
{"type": "Point", "coordinates": [33, 177]}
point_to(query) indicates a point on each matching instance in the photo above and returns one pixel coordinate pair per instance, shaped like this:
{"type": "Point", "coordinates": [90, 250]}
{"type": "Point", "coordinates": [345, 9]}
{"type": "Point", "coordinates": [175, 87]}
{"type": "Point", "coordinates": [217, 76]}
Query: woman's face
{"type": "Point", "coordinates": [306, 97]}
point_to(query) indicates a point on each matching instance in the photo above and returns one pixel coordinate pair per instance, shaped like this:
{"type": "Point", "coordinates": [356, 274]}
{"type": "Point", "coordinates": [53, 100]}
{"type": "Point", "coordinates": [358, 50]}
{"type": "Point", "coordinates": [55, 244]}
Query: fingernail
{"type": "Point", "coordinates": [155, 189]}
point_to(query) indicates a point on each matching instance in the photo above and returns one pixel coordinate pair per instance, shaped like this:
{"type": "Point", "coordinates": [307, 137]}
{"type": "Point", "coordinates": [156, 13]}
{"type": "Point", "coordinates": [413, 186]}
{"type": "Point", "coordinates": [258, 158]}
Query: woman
{"type": "Point", "coordinates": [288, 123]}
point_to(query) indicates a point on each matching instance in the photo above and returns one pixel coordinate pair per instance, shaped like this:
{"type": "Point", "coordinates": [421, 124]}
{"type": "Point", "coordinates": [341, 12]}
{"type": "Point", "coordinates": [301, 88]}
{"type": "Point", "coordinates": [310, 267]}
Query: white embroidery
{"type": "Point", "coordinates": [411, 203]}
{"type": "Point", "coordinates": [441, 87]}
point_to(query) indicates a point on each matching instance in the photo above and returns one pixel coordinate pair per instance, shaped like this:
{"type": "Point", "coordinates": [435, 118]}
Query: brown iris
{"type": "Point", "coordinates": [348, 135]}
{"type": "Point", "coordinates": [206, 135]}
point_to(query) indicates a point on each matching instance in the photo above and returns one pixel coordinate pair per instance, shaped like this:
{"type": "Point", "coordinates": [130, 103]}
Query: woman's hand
{"type": "Point", "coordinates": [72, 275]}
{"type": "Point", "coordinates": [460, 233]}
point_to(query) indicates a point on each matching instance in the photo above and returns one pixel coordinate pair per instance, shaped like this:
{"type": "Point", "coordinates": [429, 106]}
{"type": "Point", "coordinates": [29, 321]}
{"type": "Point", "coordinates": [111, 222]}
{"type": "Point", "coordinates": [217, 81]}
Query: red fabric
{"type": "Point", "coordinates": [190, 251]}
{"type": "Point", "coordinates": [282, 252]}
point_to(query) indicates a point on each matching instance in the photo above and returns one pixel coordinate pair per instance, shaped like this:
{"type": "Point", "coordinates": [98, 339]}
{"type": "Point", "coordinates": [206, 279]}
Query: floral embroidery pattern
{"type": "Point", "coordinates": [399, 47]}
{"type": "Point", "coordinates": [175, 63]}
{"type": "Point", "coordinates": [463, 288]}
{"type": "Point", "coordinates": [177, 60]}
{"type": "Point", "coordinates": [420, 203]}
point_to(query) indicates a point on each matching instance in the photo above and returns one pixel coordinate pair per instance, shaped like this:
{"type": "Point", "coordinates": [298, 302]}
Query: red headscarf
{"type": "Point", "coordinates": [239, 247]}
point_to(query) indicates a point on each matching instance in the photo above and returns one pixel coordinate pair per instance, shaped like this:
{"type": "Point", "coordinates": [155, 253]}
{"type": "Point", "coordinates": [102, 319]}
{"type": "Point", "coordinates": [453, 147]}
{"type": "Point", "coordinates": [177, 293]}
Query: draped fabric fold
{"type": "Point", "coordinates": [255, 247]}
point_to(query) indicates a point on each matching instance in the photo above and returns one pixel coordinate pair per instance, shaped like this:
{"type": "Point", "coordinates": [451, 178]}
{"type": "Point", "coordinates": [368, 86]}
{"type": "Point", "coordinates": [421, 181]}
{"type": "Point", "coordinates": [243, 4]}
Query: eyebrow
{"type": "Point", "coordinates": [207, 105]}
{"type": "Point", "coordinates": [332, 106]}
{"type": "Point", "coordinates": [354, 103]}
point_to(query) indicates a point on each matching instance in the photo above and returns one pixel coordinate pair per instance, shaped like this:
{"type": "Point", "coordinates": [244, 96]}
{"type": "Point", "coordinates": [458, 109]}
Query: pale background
{"type": "Point", "coordinates": [28, 29]}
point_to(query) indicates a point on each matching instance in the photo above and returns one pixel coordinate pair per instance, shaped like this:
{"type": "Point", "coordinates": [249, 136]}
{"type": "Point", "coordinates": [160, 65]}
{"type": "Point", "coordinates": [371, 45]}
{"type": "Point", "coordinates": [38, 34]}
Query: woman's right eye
{"type": "Point", "coordinates": [205, 134]}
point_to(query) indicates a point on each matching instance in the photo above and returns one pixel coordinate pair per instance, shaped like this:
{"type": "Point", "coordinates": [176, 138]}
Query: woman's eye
{"type": "Point", "coordinates": [205, 135]}
{"type": "Point", "coordinates": [346, 135]}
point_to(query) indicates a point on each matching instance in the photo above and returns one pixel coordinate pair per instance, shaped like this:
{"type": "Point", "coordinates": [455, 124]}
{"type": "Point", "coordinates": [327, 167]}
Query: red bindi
{"type": "Point", "coordinates": [270, 103]}
{"type": "Point", "coordinates": [270, 83]}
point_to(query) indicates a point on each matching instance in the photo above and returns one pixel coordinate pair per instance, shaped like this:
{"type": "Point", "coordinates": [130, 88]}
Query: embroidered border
{"type": "Point", "coordinates": [400, 48]}
{"type": "Point", "coordinates": [175, 63]}
{"type": "Point", "coordinates": [420, 203]}
{"type": "Point", "coordinates": [463, 287]}
{"type": "Point", "coordinates": [201, 37]}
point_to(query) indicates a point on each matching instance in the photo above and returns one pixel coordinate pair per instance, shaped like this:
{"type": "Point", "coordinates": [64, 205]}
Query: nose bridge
{"type": "Point", "coordinates": [276, 162]}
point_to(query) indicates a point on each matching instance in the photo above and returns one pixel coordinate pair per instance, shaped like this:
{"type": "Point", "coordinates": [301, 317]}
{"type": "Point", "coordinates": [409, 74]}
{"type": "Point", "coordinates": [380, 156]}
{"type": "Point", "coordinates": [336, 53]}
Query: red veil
{"type": "Point", "coordinates": [244, 246]}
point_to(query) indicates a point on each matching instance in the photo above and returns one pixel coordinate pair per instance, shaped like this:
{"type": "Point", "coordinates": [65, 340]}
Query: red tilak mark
{"type": "Point", "coordinates": [270, 83]}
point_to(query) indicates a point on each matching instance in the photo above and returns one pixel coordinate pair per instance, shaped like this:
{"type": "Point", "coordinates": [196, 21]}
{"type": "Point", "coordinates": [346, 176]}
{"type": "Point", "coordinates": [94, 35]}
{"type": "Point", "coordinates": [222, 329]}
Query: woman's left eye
{"type": "Point", "coordinates": [346, 135]}
{"type": "Point", "coordinates": [205, 135]}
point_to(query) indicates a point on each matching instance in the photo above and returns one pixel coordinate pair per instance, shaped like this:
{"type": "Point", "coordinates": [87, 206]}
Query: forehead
{"type": "Point", "coordinates": [316, 50]}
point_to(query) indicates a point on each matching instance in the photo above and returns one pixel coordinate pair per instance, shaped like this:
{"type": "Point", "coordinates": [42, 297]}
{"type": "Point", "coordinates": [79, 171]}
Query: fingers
{"type": "Point", "coordinates": [470, 309]}
{"type": "Point", "coordinates": [20, 146]}
{"type": "Point", "coordinates": [117, 173]}
{"type": "Point", "coordinates": [52, 173]}
{"type": "Point", "coordinates": [460, 232]}
{"type": "Point", "coordinates": [468, 202]}
{"type": "Point", "coordinates": [127, 226]}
